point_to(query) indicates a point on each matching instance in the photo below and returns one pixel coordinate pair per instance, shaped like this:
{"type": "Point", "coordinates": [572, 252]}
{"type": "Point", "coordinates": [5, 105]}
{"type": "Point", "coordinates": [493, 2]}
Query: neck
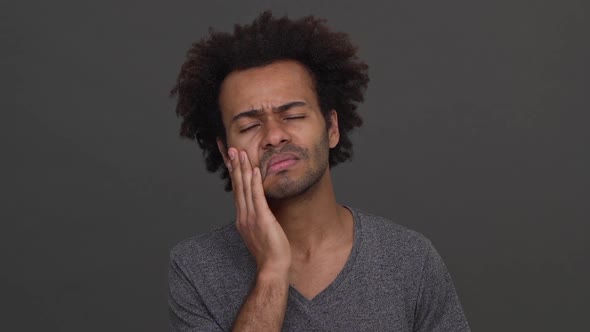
{"type": "Point", "coordinates": [314, 221]}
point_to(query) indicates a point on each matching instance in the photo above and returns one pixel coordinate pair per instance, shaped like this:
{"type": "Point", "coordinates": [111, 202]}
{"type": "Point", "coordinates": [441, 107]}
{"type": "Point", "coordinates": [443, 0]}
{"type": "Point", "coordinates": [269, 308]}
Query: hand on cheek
{"type": "Point", "coordinates": [255, 222]}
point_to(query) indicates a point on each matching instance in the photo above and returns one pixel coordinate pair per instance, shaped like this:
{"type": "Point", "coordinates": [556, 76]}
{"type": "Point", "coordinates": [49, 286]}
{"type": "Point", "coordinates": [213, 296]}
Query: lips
{"type": "Point", "coordinates": [280, 161]}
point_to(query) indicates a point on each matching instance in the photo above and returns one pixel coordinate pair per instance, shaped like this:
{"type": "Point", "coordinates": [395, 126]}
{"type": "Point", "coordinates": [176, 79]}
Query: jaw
{"type": "Point", "coordinates": [289, 186]}
{"type": "Point", "coordinates": [317, 196]}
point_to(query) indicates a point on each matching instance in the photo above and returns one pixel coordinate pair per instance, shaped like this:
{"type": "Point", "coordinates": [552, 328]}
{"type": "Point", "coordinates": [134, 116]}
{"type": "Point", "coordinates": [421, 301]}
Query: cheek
{"type": "Point", "coordinates": [250, 147]}
{"type": "Point", "coordinates": [243, 143]}
{"type": "Point", "coordinates": [254, 156]}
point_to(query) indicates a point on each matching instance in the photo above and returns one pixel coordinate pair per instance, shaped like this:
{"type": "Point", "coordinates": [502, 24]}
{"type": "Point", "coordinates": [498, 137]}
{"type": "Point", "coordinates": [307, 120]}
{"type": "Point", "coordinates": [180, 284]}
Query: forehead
{"type": "Point", "coordinates": [270, 85]}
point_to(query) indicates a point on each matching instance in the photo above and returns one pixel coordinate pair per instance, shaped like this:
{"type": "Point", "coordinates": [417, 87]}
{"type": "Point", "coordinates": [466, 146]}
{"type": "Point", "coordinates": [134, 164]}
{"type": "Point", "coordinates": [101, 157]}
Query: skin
{"type": "Point", "coordinates": [288, 217]}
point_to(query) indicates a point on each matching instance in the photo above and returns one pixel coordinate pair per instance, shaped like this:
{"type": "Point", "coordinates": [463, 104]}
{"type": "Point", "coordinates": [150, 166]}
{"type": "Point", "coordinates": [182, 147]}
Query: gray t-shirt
{"type": "Point", "coordinates": [394, 280]}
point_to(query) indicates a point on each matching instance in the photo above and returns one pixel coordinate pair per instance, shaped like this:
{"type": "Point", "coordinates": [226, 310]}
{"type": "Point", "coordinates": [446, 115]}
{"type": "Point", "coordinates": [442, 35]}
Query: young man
{"type": "Point", "coordinates": [272, 105]}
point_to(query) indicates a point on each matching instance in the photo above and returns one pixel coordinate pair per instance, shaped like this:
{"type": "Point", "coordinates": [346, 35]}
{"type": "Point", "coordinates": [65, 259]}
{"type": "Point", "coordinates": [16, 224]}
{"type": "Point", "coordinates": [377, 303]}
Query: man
{"type": "Point", "coordinates": [272, 106]}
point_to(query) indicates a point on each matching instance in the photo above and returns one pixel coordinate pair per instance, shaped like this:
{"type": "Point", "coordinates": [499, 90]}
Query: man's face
{"type": "Point", "coordinates": [273, 114]}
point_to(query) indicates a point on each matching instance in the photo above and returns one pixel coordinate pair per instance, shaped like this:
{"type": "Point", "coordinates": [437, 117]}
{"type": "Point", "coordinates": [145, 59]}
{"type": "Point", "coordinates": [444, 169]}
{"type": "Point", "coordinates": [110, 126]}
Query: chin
{"type": "Point", "coordinates": [284, 192]}
{"type": "Point", "coordinates": [285, 186]}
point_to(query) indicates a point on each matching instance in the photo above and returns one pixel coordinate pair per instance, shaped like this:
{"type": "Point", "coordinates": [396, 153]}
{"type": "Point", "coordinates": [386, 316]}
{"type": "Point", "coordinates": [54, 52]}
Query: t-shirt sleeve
{"type": "Point", "coordinates": [187, 311]}
{"type": "Point", "coordinates": [438, 307]}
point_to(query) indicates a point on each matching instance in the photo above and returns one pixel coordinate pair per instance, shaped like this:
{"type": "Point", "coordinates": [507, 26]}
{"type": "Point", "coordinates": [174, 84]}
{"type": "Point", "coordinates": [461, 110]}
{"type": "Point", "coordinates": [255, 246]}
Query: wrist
{"type": "Point", "coordinates": [275, 277]}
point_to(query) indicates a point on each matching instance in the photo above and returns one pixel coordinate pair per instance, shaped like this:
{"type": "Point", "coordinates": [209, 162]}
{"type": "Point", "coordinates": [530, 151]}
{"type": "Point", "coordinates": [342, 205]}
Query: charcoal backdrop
{"type": "Point", "coordinates": [475, 134]}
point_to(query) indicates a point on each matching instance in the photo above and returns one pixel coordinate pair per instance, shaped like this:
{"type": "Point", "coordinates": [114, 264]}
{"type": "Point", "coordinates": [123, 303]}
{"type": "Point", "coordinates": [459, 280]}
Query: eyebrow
{"type": "Point", "coordinates": [257, 112]}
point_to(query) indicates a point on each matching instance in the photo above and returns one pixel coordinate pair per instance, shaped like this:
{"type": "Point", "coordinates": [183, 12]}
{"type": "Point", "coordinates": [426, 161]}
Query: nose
{"type": "Point", "coordinates": [275, 134]}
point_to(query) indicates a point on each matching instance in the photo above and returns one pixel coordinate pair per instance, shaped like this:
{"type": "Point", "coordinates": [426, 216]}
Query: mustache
{"type": "Point", "coordinates": [300, 152]}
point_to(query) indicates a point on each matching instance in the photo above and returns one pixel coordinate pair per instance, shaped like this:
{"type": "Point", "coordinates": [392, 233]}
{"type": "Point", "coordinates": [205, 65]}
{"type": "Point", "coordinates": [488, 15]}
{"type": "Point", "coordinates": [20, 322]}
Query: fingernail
{"type": "Point", "coordinates": [242, 157]}
{"type": "Point", "coordinates": [232, 154]}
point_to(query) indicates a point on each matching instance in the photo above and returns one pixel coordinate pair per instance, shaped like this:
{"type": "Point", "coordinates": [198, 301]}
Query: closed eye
{"type": "Point", "coordinates": [293, 117]}
{"type": "Point", "coordinates": [245, 129]}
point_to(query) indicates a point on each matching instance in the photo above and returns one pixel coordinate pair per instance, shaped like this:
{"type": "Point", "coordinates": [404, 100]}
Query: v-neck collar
{"type": "Point", "coordinates": [326, 292]}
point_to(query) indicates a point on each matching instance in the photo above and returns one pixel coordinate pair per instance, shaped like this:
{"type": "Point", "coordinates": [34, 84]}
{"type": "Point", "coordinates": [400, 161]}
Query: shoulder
{"type": "Point", "coordinates": [221, 242]}
{"type": "Point", "coordinates": [209, 276]}
{"type": "Point", "coordinates": [388, 243]}
{"type": "Point", "coordinates": [383, 231]}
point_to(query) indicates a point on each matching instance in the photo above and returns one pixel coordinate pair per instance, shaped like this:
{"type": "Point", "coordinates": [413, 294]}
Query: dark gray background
{"type": "Point", "coordinates": [475, 135]}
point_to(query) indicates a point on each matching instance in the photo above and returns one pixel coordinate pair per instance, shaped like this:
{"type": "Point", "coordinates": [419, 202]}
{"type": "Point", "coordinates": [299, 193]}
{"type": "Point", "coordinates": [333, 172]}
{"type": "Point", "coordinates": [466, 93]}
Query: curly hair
{"type": "Point", "coordinates": [339, 77]}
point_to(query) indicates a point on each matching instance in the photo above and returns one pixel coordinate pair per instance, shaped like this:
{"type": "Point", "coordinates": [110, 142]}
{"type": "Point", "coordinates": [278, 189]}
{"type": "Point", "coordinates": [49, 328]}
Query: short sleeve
{"type": "Point", "coordinates": [187, 310]}
{"type": "Point", "coordinates": [438, 307]}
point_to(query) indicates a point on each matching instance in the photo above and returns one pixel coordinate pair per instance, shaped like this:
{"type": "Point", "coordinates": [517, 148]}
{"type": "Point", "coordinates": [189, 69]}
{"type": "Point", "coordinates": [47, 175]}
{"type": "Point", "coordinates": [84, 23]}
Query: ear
{"type": "Point", "coordinates": [333, 132]}
{"type": "Point", "coordinates": [222, 150]}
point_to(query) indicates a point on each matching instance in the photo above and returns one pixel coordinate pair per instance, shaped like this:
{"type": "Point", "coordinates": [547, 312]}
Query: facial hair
{"type": "Point", "coordinates": [315, 161]}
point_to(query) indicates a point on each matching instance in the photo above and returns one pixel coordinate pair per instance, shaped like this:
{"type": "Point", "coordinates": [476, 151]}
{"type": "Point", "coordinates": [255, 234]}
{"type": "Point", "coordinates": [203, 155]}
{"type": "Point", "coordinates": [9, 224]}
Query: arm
{"type": "Point", "coordinates": [264, 308]}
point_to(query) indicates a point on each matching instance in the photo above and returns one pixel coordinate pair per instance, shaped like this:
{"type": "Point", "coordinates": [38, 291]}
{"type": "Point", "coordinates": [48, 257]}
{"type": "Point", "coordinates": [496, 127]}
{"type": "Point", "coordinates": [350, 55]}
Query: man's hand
{"type": "Point", "coordinates": [255, 222]}
{"type": "Point", "coordinates": [265, 306]}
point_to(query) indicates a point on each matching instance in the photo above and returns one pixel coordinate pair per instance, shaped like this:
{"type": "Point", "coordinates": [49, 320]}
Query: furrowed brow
{"type": "Point", "coordinates": [246, 114]}
{"type": "Point", "coordinates": [287, 106]}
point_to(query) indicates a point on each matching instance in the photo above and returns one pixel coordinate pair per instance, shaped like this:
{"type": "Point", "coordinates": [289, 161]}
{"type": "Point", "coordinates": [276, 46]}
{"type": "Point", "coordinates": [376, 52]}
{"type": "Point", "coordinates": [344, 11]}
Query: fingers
{"type": "Point", "coordinates": [255, 222]}
{"type": "Point", "coordinates": [253, 189]}
{"type": "Point", "coordinates": [238, 185]}
{"type": "Point", "coordinates": [247, 184]}
{"type": "Point", "coordinates": [258, 198]}
{"type": "Point", "coordinates": [248, 189]}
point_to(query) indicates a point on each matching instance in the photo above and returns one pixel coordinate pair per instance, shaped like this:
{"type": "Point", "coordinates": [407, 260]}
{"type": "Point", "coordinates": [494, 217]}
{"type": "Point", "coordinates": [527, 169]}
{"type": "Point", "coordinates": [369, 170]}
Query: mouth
{"type": "Point", "coordinates": [280, 163]}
